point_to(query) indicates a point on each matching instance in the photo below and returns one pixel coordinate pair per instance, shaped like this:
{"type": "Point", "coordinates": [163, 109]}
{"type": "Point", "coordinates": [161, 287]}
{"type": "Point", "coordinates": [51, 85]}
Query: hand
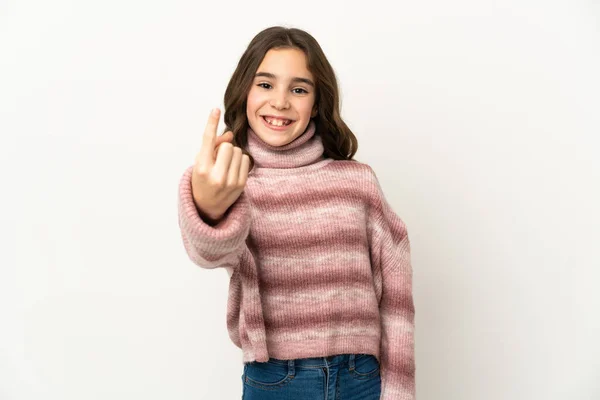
{"type": "Point", "coordinates": [220, 172]}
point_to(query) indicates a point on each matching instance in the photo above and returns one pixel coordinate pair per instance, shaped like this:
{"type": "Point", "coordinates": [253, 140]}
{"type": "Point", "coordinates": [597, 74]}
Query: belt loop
{"type": "Point", "coordinates": [351, 361]}
{"type": "Point", "coordinates": [291, 368]}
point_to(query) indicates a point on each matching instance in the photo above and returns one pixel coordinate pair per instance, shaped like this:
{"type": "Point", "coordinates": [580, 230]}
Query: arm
{"type": "Point", "coordinates": [224, 245]}
{"type": "Point", "coordinates": [212, 244]}
{"type": "Point", "coordinates": [390, 257]}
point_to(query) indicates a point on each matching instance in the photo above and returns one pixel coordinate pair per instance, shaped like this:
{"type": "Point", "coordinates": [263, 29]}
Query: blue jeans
{"type": "Point", "coordinates": [344, 376]}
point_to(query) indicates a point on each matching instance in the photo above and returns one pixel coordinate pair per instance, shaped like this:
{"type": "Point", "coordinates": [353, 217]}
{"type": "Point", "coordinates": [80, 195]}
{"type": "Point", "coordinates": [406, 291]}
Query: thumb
{"type": "Point", "coordinates": [226, 137]}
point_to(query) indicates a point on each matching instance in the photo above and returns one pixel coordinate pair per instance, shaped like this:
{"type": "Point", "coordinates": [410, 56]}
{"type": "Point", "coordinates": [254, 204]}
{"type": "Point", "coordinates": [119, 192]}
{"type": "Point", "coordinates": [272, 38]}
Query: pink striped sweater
{"type": "Point", "coordinates": [318, 262]}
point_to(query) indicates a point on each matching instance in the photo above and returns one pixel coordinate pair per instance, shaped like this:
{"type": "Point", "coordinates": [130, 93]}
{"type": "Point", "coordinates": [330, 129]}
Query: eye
{"type": "Point", "coordinates": [265, 85]}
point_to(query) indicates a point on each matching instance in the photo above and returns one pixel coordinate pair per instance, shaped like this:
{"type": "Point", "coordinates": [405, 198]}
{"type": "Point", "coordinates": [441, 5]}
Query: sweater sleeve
{"type": "Point", "coordinates": [390, 257]}
{"type": "Point", "coordinates": [212, 246]}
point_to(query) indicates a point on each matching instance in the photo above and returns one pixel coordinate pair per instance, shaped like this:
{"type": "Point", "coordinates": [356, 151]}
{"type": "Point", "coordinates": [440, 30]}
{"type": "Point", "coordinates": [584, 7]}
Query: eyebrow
{"type": "Point", "coordinates": [294, 79]}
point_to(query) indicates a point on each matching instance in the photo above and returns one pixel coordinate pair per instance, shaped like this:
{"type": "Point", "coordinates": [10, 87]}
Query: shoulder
{"type": "Point", "coordinates": [360, 169]}
{"type": "Point", "coordinates": [361, 181]}
{"type": "Point", "coordinates": [360, 176]}
{"type": "Point", "coordinates": [355, 169]}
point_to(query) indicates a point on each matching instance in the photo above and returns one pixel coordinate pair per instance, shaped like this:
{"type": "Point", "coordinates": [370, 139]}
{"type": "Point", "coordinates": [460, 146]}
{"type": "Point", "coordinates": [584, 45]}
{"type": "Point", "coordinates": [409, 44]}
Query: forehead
{"type": "Point", "coordinates": [285, 63]}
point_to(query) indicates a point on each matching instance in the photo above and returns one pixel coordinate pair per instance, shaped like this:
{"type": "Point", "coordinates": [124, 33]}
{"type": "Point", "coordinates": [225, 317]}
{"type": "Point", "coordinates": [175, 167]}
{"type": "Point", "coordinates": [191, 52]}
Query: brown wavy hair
{"type": "Point", "coordinates": [338, 140]}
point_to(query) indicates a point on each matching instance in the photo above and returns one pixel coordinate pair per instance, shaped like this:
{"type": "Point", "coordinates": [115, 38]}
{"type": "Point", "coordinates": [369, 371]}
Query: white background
{"type": "Point", "coordinates": [480, 118]}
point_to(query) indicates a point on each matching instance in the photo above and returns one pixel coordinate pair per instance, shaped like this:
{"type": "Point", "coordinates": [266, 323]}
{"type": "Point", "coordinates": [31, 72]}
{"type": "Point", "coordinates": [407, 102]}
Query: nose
{"type": "Point", "coordinates": [279, 100]}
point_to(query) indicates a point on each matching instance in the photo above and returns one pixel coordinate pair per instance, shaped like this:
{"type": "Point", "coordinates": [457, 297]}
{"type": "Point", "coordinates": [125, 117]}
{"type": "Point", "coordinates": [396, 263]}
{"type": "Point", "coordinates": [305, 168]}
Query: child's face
{"type": "Point", "coordinates": [280, 93]}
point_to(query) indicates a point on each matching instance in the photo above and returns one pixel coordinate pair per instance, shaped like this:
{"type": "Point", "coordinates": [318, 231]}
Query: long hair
{"type": "Point", "coordinates": [338, 140]}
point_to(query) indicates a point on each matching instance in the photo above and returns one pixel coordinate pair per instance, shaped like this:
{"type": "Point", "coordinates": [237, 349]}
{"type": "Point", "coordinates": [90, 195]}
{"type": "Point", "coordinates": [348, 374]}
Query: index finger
{"type": "Point", "coordinates": [210, 135]}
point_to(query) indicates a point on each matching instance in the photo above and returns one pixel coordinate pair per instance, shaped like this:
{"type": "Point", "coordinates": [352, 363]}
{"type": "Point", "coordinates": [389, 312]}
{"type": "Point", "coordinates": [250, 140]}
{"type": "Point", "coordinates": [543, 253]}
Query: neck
{"type": "Point", "coordinates": [305, 150]}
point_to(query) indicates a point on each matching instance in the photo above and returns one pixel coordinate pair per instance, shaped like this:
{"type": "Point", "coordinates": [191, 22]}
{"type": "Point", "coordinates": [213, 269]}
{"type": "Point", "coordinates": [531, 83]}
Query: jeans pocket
{"type": "Point", "coordinates": [365, 366]}
{"type": "Point", "coordinates": [266, 375]}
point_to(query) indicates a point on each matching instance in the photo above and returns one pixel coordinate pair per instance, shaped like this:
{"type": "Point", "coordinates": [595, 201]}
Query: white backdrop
{"type": "Point", "coordinates": [481, 119]}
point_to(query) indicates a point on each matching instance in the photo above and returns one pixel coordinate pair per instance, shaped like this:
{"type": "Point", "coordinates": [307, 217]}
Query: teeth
{"type": "Point", "coordinates": [277, 122]}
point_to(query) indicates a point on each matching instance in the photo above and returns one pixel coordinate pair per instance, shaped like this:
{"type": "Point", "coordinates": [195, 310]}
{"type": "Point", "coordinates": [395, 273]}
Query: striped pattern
{"type": "Point", "coordinates": [319, 263]}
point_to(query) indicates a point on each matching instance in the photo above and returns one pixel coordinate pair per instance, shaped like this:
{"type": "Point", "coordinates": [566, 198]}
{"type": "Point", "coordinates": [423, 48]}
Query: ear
{"type": "Point", "coordinates": [314, 112]}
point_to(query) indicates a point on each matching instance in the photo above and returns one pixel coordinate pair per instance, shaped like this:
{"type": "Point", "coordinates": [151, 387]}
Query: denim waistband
{"type": "Point", "coordinates": [315, 362]}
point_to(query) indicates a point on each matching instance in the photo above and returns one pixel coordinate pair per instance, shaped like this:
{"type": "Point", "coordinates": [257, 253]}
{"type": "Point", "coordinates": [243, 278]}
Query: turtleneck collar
{"type": "Point", "coordinates": [305, 150]}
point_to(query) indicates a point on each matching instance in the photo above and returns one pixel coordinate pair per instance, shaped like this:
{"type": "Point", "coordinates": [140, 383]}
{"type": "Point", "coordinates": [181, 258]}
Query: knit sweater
{"type": "Point", "coordinates": [318, 262]}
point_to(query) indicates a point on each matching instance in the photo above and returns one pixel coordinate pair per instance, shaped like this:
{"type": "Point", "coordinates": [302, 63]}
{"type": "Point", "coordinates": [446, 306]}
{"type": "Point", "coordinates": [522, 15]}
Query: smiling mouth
{"type": "Point", "coordinates": [277, 122]}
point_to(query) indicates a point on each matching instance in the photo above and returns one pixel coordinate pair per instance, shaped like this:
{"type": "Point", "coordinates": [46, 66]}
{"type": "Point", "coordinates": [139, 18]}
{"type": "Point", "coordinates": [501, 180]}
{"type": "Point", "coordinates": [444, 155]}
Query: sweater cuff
{"type": "Point", "coordinates": [206, 244]}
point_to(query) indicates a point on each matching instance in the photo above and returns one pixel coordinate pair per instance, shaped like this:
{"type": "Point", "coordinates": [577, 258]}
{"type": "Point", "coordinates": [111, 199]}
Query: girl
{"type": "Point", "coordinates": [320, 292]}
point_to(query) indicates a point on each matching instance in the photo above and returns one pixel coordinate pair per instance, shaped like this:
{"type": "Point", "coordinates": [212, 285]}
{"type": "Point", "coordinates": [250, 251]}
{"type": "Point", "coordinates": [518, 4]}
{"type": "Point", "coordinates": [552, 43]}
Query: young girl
{"type": "Point", "coordinates": [320, 292]}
